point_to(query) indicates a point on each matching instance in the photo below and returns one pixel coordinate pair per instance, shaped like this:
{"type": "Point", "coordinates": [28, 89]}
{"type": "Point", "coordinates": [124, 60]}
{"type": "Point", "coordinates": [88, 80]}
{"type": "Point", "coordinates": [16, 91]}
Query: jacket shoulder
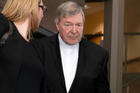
{"type": "Point", "coordinates": [4, 24]}
{"type": "Point", "coordinates": [91, 47]}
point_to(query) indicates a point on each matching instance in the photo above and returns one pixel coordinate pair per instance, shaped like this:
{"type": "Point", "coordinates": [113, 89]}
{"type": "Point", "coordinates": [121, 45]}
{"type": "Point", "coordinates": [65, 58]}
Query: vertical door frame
{"type": "Point", "coordinates": [113, 41]}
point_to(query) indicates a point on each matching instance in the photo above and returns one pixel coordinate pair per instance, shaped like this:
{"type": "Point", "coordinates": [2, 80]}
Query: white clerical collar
{"type": "Point", "coordinates": [69, 57]}
{"type": "Point", "coordinates": [66, 46]}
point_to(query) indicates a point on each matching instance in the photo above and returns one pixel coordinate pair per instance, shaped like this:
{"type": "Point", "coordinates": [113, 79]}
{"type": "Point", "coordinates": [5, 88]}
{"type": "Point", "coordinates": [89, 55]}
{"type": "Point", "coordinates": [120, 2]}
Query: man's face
{"type": "Point", "coordinates": [71, 28]}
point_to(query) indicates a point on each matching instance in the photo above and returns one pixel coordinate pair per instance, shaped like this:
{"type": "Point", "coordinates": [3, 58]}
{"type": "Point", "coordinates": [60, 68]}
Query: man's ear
{"type": "Point", "coordinates": [57, 25]}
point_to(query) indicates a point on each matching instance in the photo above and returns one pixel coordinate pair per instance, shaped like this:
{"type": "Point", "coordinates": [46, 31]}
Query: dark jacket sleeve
{"type": "Point", "coordinates": [102, 84]}
{"type": "Point", "coordinates": [37, 46]}
{"type": "Point", "coordinates": [40, 45]}
{"type": "Point", "coordinates": [4, 25]}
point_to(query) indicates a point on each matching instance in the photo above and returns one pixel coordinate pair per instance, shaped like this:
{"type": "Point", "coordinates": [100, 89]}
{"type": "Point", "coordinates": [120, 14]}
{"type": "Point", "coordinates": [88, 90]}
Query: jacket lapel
{"type": "Point", "coordinates": [57, 59]}
{"type": "Point", "coordinates": [80, 66]}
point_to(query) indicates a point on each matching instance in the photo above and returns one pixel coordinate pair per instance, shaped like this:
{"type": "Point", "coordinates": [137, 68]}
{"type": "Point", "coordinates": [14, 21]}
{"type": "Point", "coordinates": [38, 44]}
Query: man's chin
{"type": "Point", "coordinates": [72, 42]}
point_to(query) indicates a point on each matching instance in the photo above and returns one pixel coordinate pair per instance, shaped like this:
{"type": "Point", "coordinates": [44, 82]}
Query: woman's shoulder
{"type": "Point", "coordinates": [4, 24]}
{"type": "Point", "coordinates": [3, 20]}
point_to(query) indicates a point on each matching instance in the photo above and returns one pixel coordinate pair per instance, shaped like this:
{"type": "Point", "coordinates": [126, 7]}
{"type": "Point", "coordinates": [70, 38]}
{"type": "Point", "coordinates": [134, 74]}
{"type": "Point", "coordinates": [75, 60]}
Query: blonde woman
{"type": "Point", "coordinates": [20, 68]}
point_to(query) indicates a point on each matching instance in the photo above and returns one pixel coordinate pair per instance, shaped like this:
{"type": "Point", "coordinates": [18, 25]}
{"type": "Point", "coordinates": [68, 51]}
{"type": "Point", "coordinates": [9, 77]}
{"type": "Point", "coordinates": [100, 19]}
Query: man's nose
{"type": "Point", "coordinates": [74, 29]}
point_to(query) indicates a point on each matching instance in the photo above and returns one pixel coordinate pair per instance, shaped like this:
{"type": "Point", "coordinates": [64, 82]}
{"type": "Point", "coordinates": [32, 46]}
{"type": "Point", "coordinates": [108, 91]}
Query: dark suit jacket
{"type": "Point", "coordinates": [91, 74]}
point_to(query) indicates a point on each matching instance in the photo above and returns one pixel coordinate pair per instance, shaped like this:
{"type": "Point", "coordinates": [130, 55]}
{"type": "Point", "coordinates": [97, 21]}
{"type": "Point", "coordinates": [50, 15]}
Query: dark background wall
{"type": "Point", "coordinates": [48, 20]}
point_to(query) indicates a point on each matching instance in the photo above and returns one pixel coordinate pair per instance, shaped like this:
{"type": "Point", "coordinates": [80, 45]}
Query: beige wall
{"type": "Point", "coordinates": [132, 24]}
{"type": "Point", "coordinates": [94, 22]}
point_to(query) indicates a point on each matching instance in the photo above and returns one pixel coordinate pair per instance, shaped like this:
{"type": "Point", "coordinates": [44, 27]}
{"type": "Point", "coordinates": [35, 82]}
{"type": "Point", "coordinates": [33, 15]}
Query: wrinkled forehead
{"type": "Point", "coordinates": [79, 16]}
{"type": "Point", "coordinates": [72, 18]}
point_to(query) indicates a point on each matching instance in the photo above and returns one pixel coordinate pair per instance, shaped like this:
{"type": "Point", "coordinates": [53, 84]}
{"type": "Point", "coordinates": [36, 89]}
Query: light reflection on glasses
{"type": "Point", "coordinates": [44, 8]}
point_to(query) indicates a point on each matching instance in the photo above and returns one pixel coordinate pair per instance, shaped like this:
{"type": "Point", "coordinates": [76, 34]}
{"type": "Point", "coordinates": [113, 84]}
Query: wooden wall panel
{"type": "Point", "coordinates": [2, 3]}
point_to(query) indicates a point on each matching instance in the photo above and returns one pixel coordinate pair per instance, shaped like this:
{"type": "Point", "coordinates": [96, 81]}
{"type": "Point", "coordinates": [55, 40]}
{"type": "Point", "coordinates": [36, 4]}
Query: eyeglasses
{"type": "Point", "coordinates": [69, 26]}
{"type": "Point", "coordinates": [44, 8]}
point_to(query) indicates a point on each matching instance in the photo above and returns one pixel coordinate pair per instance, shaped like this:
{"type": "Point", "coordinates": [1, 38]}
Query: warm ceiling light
{"type": "Point", "coordinates": [86, 7]}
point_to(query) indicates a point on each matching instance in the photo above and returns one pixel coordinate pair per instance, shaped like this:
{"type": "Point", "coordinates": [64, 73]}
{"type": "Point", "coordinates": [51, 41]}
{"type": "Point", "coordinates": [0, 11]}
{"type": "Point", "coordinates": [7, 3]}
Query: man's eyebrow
{"type": "Point", "coordinates": [67, 22]}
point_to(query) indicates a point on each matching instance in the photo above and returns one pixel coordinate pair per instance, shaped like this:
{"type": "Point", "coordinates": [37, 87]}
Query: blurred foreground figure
{"type": "Point", "coordinates": [20, 68]}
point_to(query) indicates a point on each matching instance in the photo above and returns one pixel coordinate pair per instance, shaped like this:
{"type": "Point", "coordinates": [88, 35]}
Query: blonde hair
{"type": "Point", "coordinates": [19, 10]}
